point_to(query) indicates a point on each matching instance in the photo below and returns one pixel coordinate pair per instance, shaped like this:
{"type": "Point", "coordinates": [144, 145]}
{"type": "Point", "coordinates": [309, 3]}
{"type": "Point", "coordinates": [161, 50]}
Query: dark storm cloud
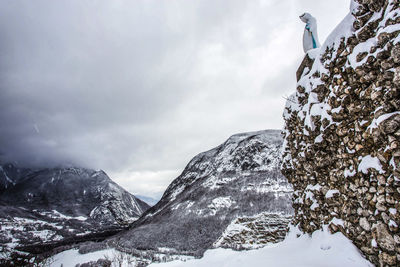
{"type": "Point", "coordinates": [78, 73]}
{"type": "Point", "coordinates": [142, 86]}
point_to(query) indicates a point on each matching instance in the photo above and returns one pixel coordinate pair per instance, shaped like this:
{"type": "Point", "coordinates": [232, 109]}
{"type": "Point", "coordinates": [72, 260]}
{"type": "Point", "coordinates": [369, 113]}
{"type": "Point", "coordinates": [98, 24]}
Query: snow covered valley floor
{"type": "Point", "coordinates": [320, 249]}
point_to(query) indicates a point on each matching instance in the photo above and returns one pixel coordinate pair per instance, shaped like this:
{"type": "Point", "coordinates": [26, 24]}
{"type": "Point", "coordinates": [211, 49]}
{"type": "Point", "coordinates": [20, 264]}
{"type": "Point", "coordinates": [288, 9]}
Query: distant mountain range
{"type": "Point", "coordinates": [51, 205]}
{"type": "Point", "coordinates": [149, 200]}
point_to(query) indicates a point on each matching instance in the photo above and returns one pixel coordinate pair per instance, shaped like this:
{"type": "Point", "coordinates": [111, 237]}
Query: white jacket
{"type": "Point", "coordinates": [310, 37]}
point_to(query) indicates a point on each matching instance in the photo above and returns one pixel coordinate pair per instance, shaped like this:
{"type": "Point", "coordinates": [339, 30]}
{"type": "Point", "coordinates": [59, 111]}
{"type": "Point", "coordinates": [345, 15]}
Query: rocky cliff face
{"type": "Point", "coordinates": [254, 231]}
{"type": "Point", "coordinates": [240, 178]}
{"type": "Point", "coordinates": [342, 132]}
{"type": "Point", "coordinates": [51, 205]}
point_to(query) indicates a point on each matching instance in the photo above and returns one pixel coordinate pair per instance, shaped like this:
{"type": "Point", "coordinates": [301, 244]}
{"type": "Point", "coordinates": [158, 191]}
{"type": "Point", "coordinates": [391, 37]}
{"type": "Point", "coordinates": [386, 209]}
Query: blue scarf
{"type": "Point", "coordinates": [312, 36]}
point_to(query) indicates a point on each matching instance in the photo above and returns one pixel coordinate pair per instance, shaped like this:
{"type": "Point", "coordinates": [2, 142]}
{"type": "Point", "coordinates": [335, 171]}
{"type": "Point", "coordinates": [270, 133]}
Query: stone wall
{"type": "Point", "coordinates": [342, 133]}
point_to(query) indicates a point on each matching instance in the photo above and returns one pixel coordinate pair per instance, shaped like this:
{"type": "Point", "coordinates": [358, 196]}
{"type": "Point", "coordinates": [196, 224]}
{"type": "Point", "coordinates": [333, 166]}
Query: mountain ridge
{"type": "Point", "coordinates": [240, 177]}
{"type": "Point", "coordinates": [53, 205]}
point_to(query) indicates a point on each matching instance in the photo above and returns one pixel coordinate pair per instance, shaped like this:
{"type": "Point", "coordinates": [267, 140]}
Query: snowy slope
{"type": "Point", "coordinates": [320, 249]}
{"type": "Point", "coordinates": [72, 257]}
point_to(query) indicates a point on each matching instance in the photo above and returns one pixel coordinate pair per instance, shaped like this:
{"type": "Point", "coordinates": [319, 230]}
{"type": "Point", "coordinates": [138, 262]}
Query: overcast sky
{"type": "Point", "coordinates": [137, 88]}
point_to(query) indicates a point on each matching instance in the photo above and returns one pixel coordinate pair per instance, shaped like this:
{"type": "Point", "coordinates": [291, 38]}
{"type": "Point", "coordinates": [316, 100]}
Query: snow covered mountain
{"type": "Point", "coordinates": [51, 205]}
{"type": "Point", "coordinates": [240, 178]}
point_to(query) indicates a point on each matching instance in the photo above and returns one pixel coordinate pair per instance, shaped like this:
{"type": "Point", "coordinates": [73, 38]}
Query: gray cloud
{"type": "Point", "coordinates": [142, 86]}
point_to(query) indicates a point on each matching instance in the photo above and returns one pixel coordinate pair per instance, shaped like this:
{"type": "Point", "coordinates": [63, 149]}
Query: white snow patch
{"type": "Point", "coordinates": [60, 215]}
{"type": "Point", "coordinates": [314, 206]}
{"type": "Point", "coordinates": [310, 195]}
{"type": "Point", "coordinates": [348, 173]}
{"type": "Point", "coordinates": [221, 202]}
{"type": "Point", "coordinates": [313, 53]}
{"type": "Point", "coordinates": [319, 139]}
{"type": "Point", "coordinates": [331, 192]}
{"type": "Point", "coordinates": [176, 192]}
{"type": "Point", "coordinates": [392, 224]}
{"type": "Point", "coordinates": [337, 221]}
{"type": "Point", "coordinates": [70, 258]}
{"type": "Point", "coordinates": [313, 187]}
{"type": "Point", "coordinates": [369, 162]}
{"type": "Point", "coordinates": [375, 122]}
{"type": "Point", "coordinates": [361, 47]}
{"type": "Point", "coordinates": [166, 250]}
{"type": "Point", "coordinates": [321, 249]}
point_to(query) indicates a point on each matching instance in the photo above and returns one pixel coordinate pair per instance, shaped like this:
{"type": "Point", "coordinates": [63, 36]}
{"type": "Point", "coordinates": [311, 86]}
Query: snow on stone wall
{"type": "Point", "coordinates": [342, 132]}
